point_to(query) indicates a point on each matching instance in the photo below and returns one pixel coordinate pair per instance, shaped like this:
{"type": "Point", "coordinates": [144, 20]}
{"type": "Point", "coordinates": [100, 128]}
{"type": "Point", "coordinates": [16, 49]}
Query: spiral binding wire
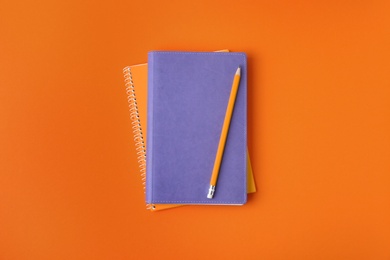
{"type": "Point", "coordinates": [136, 126]}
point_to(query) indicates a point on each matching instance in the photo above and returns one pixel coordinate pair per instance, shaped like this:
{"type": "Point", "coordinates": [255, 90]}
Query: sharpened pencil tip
{"type": "Point", "coordinates": [238, 71]}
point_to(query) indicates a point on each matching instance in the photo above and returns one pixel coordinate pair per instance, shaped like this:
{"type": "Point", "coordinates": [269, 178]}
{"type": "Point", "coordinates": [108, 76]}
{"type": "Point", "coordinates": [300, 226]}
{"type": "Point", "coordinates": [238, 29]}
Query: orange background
{"type": "Point", "coordinates": [319, 126]}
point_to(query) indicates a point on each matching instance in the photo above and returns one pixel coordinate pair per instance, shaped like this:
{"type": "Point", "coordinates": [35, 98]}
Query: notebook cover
{"type": "Point", "coordinates": [139, 75]}
{"type": "Point", "coordinates": [187, 99]}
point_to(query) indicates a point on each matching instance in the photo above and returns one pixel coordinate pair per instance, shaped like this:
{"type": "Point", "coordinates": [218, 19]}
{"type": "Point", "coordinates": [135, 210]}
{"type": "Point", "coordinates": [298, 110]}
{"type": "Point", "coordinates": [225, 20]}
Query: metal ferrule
{"type": "Point", "coordinates": [210, 195]}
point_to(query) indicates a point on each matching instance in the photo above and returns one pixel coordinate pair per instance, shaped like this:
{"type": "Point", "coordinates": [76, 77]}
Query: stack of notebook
{"type": "Point", "coordinates": [178, 103]}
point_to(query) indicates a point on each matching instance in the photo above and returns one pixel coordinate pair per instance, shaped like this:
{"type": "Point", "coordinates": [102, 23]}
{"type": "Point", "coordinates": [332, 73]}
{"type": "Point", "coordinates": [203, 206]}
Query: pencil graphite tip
{"type": "Point", "coordinates": [238, 71]}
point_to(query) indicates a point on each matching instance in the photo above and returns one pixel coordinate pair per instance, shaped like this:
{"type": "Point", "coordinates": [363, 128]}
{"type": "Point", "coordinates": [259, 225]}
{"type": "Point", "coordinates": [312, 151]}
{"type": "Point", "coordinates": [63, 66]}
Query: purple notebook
{"type": "Point", "coordinates": [188, 93]}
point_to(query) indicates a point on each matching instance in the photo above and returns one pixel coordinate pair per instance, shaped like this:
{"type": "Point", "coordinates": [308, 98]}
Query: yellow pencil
{"type": "Point", "coordinates": [225, 129]}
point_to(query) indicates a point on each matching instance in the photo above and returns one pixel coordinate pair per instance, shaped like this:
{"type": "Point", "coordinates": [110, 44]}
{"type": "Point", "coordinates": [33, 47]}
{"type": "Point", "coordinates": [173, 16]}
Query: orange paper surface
{"type": "Point", "coordinates": [318, 130]}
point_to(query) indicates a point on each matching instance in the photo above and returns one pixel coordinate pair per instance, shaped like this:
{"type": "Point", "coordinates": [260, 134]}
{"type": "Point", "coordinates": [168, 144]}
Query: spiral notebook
{"type": "Point", "coordinates": [136, 77]}
{"type": "Point", "coordinates": [136, 89]}
{"type": "Point", "coordinates": [188, 93]}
